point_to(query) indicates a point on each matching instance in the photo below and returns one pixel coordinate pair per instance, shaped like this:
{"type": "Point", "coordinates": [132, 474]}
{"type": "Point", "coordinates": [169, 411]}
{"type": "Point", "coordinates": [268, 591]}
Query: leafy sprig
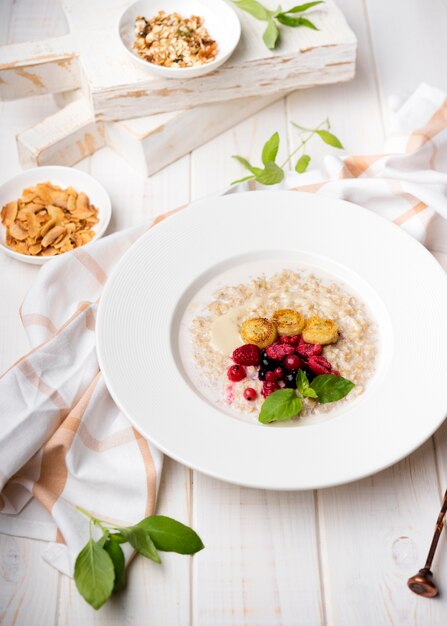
{"type": "Point", "coordinates": [100, 566]}
{"type": "Point", "coordinates": [288, 17]}
{"type": "Point", "coordinates": [272, 173]}
{"type": "Point", "coordinates": [285, 404]}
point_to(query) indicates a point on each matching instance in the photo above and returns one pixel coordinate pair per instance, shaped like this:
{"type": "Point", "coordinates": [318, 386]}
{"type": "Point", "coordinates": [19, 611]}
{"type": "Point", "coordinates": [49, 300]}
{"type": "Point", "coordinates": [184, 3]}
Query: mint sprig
{"type": "Point", "coordinates": [100, 566]}
{"type": "Point", "coordinates": [273, 18]}
{"type": "Point", "coordinates": [272, 173]}
{"type": "Point", "coordinates": [286, 404]}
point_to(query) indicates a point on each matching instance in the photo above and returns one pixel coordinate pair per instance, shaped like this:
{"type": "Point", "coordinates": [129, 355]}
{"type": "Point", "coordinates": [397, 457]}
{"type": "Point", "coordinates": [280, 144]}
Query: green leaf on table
{"type": "Point", "coordinates": [114, 550]}
{"type": "Point", "coordinates": [271, 34]}
{"type": "Point", "coordinates": [329, 138]}
{"type": "Point", "coordinates": [303, 385]}
{"type": "Point", "coordinates": [94, 574]}
{"type": "Point", "coordinates": [289, 20]}
{"type": "Point", "coordinates": [330, 388]}
{"type": "Point", "coordinates": [242, 180]}
{"type": "Point", "coordinates": [254, 8]}
{"type": "Point", "coordinates": [270, 175]}
{"type": "Point", "coordinates": [307, 23]}
{"type": "Point", "coordinates": [270, 149]}
{"type": "Point", "coordinates": [141, 541]}
{"type": "Point", "coordinates": [169, 535]}
{"type": "Point", "coordinates": [300, 8]}
{"type": "Point", "coordinates": [251, 168]}
{"type": "Point", "coordinates": [302, 163]}
{"type": "Point", "coordinates": [279, 406]}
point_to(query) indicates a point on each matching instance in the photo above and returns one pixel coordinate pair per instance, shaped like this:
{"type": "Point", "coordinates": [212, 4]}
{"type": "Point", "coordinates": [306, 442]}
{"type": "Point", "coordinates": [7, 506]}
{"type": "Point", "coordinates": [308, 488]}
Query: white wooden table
{"type": "Point", "coordinates": [339, 556]}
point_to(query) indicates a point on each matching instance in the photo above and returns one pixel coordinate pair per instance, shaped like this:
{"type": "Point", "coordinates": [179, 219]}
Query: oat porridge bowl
{"type": "Point", "coordinates": [292, 344]}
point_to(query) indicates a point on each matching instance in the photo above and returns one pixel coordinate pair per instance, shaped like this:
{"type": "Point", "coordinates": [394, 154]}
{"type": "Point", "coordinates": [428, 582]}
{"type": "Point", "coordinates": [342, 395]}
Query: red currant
{"type": "Point", "coordinates": [292, 362]}
{"type": "Point", "coordinates": [271, 377]}
{"type": "Point", "coordinates": [279, 373]}
{"type": "Point", "coordinates": [236, 373]}
{"type": "Point", "coordinates": [250, 394]}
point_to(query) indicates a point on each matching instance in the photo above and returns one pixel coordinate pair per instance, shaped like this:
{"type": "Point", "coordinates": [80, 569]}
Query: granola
{"type": "Point", "coordinates": [171, 40]}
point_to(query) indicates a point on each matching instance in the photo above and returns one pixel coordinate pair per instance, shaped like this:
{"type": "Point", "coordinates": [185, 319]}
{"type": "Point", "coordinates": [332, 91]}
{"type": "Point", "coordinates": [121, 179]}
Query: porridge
{"type": "Point", "coordinates": [284, 346]}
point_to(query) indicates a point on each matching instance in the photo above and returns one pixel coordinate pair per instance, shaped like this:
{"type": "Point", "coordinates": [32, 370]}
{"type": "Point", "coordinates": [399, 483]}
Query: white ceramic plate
{"type": "Point", "coordinates": [220, 20]}
{"type": "Point", "coordinates": [64, 177]}
{"type": "Point", "coordinates": [405, 288]}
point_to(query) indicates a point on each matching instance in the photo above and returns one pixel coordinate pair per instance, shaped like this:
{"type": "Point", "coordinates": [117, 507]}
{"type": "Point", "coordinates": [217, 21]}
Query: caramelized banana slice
{"type": "Point", "coordinates": [320, 331]}
{"type": "Point", "coordinates": [288, 322]}
{"type": "Point", "coordinates": [258, 330]}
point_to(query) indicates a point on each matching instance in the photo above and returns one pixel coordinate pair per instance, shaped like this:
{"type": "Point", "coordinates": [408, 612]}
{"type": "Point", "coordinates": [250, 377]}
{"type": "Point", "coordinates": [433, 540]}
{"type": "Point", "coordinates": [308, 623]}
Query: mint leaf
{"type": "Point", "coordinates": [270, 175]}
{"type": "Point", "coordinates": [254, 8]}
{"type": "Point", "coordinates": [118, 537]}
{"type": "Point", "coordinates": [307, 23]}
{"type": "Point", "coordinates": [140, 539]}
{"type": "Point", "coordinates": [288, 20]}
{"type": "Point", "coordinates": [279, 406]}
{"type": "Point", "coordinates": [329, 138]}
{"type": "Point", "coordinates": [254, 170]}
{"type": "Point", "coordinates": [300, 8]}
{"type": "Point", "coordinates": [302, 164]}
{"type": "Point", "coordinates": [303, 386]}
{"type": "Point", "coordinates": [270, 149]}
{"type": "Point", "coordinates": [169, 535]}
{"type": "Point", "coordinates": [330, 388]}
{"type": "Point", "coordinates": [94, 574]}
{"type": "Point", "coordinates": [114, 550]}
{"type": "Point", "coordinates": [271, 34]}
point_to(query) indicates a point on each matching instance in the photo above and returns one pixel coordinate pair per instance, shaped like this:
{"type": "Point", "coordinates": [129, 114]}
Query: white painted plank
{"type": "Point", "coordinates": [410, 46]}
{"type": "Point", "coordinates": [375, 534]}
{"type": "Point", "coordinates": [63, 138]}
{"type": "Point", "coordinates": [35, 68]}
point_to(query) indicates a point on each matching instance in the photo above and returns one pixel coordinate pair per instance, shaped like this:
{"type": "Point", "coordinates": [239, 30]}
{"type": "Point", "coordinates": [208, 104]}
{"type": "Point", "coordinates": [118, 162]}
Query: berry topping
{"type": "Point", "coordinates": [268, 388]}
{"type": "Point", "coordinates": [236, 373]}
{"type": "Point", "coordinates": [293, 340]}
{"type": "Point", "coordinates": [292, 362]}
{"type": "Point", "coordinates": [319, 365]}
{"type": "Point", "coordinates": [308, 349]}
{"type": "Point", "coordinates": [261, 374]}
{"type": "Point", "coordinates": [279, 350]}
{"type": "Point", "coordinates": [279, 372]}
{"type": "Point", "coordinates": [271, 377]}
{"type": "Point", "coordinates": [248, 354]}
{"type": "Point", "coordinates": [250, 394]}
{"type": "Point", "coordinates": [290, 380]}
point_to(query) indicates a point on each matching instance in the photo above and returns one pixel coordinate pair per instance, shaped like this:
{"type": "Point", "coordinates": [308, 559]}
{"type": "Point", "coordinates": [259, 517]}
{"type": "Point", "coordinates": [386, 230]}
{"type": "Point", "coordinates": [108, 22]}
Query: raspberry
{"type": "Point", "coordinates": [236, 373]}
{"type": "Point", "coordinates": [308, 349]}
{"type": "Point", "coordinates": [290, 340]}
{"type": "Point", "coordinates": [319, 365]}
{"type": "Point", "coordinates": [268, 388]}
{"type": "Point", "coordinates": [248, 354]}
{"type": "Point", "coordinates": [250, 394]}
{"type": "Point", "coordinates": [292, 362]}
{"type": "Point", "coordinates": [279, 350]}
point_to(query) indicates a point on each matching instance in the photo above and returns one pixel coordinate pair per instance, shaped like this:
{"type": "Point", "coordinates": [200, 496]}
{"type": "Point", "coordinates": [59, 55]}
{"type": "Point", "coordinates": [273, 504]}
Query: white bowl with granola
{"type": "Point", "coordinates": [179, 38]}
{"type": "Point", "coordinates": [327, 289]}
{"type": "Point", "coordinates": [51, 210]}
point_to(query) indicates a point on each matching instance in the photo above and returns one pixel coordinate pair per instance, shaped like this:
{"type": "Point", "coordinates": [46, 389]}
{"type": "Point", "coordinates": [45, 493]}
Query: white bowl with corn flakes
{"type": "Point", "coordinates": [179, 38]}
{"type": "Point", "coordinates": [48, 211]}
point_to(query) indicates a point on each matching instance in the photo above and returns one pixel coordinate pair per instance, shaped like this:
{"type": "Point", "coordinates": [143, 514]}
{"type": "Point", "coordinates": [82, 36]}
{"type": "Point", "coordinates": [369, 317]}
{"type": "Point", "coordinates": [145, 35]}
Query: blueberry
{"type": "Point", "coordinates": [310, 374]}
{"type": "Point", "coordinates": [290, 380]}
{"type": "Point", "coordinates": [261, 374]}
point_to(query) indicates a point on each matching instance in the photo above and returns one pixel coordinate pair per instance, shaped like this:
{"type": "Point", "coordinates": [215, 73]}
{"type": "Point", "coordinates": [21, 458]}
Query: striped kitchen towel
{"type": "Point", "coordinates": [63, 441]}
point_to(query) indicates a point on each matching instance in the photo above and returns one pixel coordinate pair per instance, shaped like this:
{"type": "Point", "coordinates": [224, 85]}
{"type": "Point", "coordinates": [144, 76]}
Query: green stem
{"type": "Point", "coordinates": [95, 520]}
{"type": "Point", "coordinates": [311, 132]}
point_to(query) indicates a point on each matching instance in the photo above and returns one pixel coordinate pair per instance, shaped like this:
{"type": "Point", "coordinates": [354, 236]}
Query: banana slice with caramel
{"type": "Point", "coordinates": [288, 322]}
{"type": "Point", "coordinates": [318, 330]}
{"type": "Point", "coordinates": [258, 330]}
